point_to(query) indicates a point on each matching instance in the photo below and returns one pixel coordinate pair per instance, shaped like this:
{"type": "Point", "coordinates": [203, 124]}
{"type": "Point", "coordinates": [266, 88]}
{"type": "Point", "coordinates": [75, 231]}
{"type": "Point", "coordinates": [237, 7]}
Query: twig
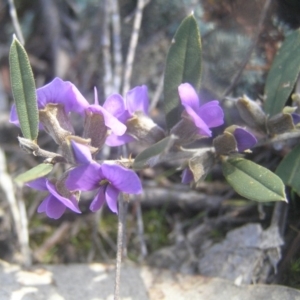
{"type": "Point", "coordinates": [14, 17]}
{"type": "Point", "coordinates": [248, 55]}
{"type": "Point", "coordinates": [54, 239]}
{"type": "Point", "coordinates": [132, 46]}
{"type": "Point", "coordinates": [120, 243]}
{"type": "Point", "coordinates": [25, 249]}
{"type": "Point", "coordinates": [96, 239]}
{"type": "Point", "coordinates": [117, 46]}
{"type": "Point", "coordinates": [105, 42]}
{"type": "Point", "coordinates": [140, 229]}
{"type": "Point", "coordinates": [157, 93]}
{"type": "Point", "coordinates": [17, 209]}
{"type": "Point", "coordinates": [279, 138]}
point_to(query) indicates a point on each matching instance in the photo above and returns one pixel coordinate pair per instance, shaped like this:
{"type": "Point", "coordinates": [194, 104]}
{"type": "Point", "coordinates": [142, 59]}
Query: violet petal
{"type": "Point", "coordinates": [199, 123]}
{"type": "Point", "coordinates": [123, 179]}
{"type": "Point", "coordinates": [82, 153]}
{"type": "Point", "coordinates": [188, 96]}
{"type": "Point", "coordinates": [55, 208]}
{"type": "Point", "coordinates": [113, 140]}
{"type": "Point", "coordinates": [187, 176]}
{"type": "Point", "coordinates": [111, 195]}
{"type": "Point", "coordinates": [62, 92]}
{"type": "Point", "coordinates": [137, 100]}
{"type": "Point", "coordinates": [84, 177]}
{"type": "Point", "coordinates": [211, 113]}
{"type": "Point", "coordinates": [115, 105]}
{"type": "Point", "coordinates": [296, 118]}
{"type": "Point", "coordinates": [110, 121]}
{"type": "Point", "coordinates": [70, 203]}
{"type": "Point", "coordinates": [244, 139]}
{"type": "Point", "coordinates": [39, 184]}
{"type": "Point", "coordinates": [99, 199]}
{"type": "Point", "coordinates": [43, 206]}
{"type": "Point", "coordinates": [13, 117]}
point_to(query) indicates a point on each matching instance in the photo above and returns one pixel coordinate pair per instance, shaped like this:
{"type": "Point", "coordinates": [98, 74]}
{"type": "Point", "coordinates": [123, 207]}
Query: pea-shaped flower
{"type": "Point", "coordinates": [54, 205]}
{"type": "Point", "coordinates": [197, 119]}
{"type": "Point", "coordinates": [56, 92]}
{"type": "Point", "coordinates": [108, 179]}
{"type": "Point", "coordinates": [133, 112]}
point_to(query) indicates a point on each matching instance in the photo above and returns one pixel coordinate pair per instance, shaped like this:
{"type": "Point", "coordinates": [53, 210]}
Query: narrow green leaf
{"type": "Point", "coordinates": [151, 154]}
{"type": "Point", "coordinates": [23, 89]}
{"type": "Point", "coordinates": [34, 173]}
{"type": "Point", "coordinates": [183, 65]}
{"type": "Point", "coordinates": [283, 74]}
{"type": "Point", "coordinates": [253, 181]}
{"type": "Point", "coordinates": [289, 169]}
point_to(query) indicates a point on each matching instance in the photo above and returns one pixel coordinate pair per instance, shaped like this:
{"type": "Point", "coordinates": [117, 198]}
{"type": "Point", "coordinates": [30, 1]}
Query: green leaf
{"type": "Point", "coordinates": [23, 89]}
{"type": "Point", "coordinates": [38, 171]}
{"type": "Point", "coordinates": [183, 65]}
{"type": "Point", "coordinates": [289, 169]}
{"type": "Point", "coordinates": [253, 181]}
{"type": "Point", "coordinates": [151, 154]}
{"type": "Point", "coordinates": [283, 74]}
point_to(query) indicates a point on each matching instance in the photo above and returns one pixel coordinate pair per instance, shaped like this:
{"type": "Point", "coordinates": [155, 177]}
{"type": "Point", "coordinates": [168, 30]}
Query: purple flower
{"type": "Point", "coordinates": [187, 176]}
{"type": "Point", "coordinates": [109, 179]}
{"type": "Point", "coordinates": [110, 120]}
{"type": "Point", "coordinates": [204, 116]}
{"type": "Point", "coordinates": [296, 118]}
{"type": "Point", "coordinates": [244, 139]}
{"type": "Point", "coordinates": [54, 205]}
{"type": "Point", "coordinates": [124, 109]}
{"type": "Point", "coordinates": [57, 92]}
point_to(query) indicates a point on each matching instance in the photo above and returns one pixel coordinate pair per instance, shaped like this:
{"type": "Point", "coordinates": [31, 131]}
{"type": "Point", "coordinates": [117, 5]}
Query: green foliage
{"type": "Point", "coordinates": [34, 173]}
{"type": "Point", "coordinates": [156, 228]}
{"type": "Point", "coordinates": [292, 274]}
{"type": "Point", "coordinates": [253, 181]}
{"type": "Point", "coordinates": [183, 65]}
{"type": "Point", "coordinates": [289, 169]}
{"type": "Point", "coordinates": [283, 74]}
{"type": "Point", "coordinates": [23, 89]}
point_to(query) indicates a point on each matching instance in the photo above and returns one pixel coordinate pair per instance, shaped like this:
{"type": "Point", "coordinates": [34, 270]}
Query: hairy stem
{"type": "Point", "coordinates": [120, 245]}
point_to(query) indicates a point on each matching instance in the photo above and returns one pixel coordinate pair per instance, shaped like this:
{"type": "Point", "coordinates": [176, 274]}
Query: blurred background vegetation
{"type": "Point", "coordinates": [68, 39]}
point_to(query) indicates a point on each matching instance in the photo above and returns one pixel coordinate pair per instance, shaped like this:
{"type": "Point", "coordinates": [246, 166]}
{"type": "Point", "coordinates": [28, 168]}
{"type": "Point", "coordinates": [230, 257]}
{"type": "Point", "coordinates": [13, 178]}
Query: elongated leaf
{"type": "Point", "coordinates": [183, 65]}
{"type": "Point", "coordinates": [152, 153]}
{"type": "Point", "coordinates": [34, 173]}
{"type": "Point", "coordinates": [23, 89]}
{"type": "Point", "coordinates": [253, 181]}
{"type": "Point", "coordinates": [283, 74]}
{"type": "Point", "coordinates": [289, 169]}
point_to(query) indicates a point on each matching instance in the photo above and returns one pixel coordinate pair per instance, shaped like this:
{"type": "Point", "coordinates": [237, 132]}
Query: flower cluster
{"type": "Point", "coordinates": [118, 121]}
{"type": "Point", "coordinates": [56, 101]}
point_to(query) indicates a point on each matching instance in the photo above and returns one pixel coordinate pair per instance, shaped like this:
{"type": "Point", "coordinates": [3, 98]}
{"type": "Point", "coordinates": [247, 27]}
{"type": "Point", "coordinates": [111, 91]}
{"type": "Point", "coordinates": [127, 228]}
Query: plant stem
{"type": "Point", "coordinates": [120, 245]}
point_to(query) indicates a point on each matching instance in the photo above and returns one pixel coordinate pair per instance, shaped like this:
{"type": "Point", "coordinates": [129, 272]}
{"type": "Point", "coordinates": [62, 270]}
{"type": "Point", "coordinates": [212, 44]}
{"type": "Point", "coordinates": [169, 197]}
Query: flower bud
{"type": "Point", "coordinates": [143, 129]}
{"type": "Point", "coordinates": [225, 144]}
{"type": "Point", "coordinates": [95, 129]}
{"type": "Point", "coordinates": [56, 123]}
{"type": "Point", "coordinates": [200, 165]}
{"type": "Point", "coordinates": [280, 123]}
{"type": "Point", "coordinates": [251, 113]}
{"type": "Point", "coordinates": [186, 132]}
